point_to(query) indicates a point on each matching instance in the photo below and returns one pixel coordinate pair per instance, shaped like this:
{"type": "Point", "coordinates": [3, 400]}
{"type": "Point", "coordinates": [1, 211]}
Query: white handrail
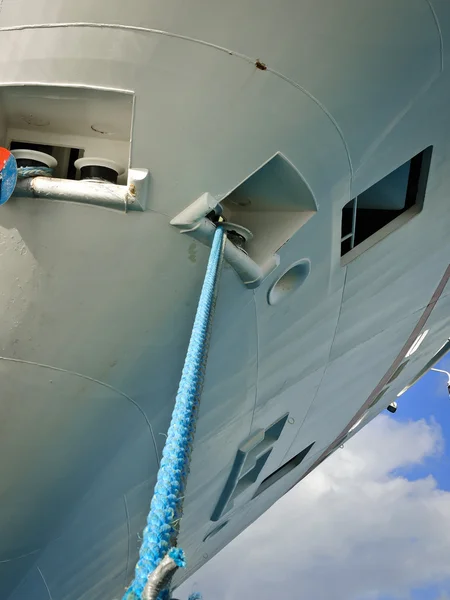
{"type": "Point", "coordinates": [445, 373]}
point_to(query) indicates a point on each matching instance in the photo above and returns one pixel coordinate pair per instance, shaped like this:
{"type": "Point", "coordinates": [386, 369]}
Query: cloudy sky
{"type": "Point", "coordinates": [372, 522]}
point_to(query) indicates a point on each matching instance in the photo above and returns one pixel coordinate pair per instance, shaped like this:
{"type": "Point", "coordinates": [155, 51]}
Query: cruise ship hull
{"type": "Point", "coordinates": [97, 304]}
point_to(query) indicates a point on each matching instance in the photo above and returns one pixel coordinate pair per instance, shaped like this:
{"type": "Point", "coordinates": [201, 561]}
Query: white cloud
{"type": "Point", "coordinates": [351, 530]}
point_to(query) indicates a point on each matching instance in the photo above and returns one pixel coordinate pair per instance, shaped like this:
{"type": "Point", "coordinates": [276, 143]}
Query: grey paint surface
{"type": "Point", "coordinates": [351, 93]}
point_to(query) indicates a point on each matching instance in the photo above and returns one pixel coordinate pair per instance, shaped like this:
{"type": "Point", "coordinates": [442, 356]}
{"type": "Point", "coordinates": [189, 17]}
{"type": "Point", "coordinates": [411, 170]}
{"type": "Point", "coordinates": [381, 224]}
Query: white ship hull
{"type": "Point", "coordinates": [97, 305]}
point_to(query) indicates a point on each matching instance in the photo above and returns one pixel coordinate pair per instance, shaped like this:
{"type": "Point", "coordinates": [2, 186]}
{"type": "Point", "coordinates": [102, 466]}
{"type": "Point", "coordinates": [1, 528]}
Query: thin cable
{"type": "Point", "coordinates": [445, 373]}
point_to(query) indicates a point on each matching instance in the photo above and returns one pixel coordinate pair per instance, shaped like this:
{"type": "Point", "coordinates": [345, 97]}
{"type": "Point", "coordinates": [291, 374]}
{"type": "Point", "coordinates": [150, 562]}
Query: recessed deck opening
{"type": "Point", "coordinates": [68, 123]}
{"type": "Point", "coordinates": [282, 471]}
{"type": "Point", "coordinates": [216, 530]}
{"type": "Point", "coordinates": [250, 460]}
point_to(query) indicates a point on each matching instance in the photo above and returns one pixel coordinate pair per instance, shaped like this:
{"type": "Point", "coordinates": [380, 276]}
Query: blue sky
{"type": "Point", "coordinates": [429, 399]}
{"type": "Point", "coordinates": [372, 522]}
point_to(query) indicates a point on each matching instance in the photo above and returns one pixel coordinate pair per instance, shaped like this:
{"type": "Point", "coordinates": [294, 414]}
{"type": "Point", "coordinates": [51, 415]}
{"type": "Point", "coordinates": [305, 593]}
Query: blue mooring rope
{"type": "Point", "coordinates": [26, 172]}
{"type": "Point", "coordinates": [160, 535]}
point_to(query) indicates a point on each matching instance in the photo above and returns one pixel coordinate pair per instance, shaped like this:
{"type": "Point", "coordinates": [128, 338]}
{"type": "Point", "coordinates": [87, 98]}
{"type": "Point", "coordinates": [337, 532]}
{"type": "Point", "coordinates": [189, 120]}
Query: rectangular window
{"type": "Point", "coordinates": [402, 191]}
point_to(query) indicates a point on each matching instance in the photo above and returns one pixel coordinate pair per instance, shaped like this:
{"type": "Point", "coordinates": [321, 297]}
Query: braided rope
{"type": "Point", "coordinates": [26, 172]}
{"type": "Point", "coordinates": [160, 535]}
